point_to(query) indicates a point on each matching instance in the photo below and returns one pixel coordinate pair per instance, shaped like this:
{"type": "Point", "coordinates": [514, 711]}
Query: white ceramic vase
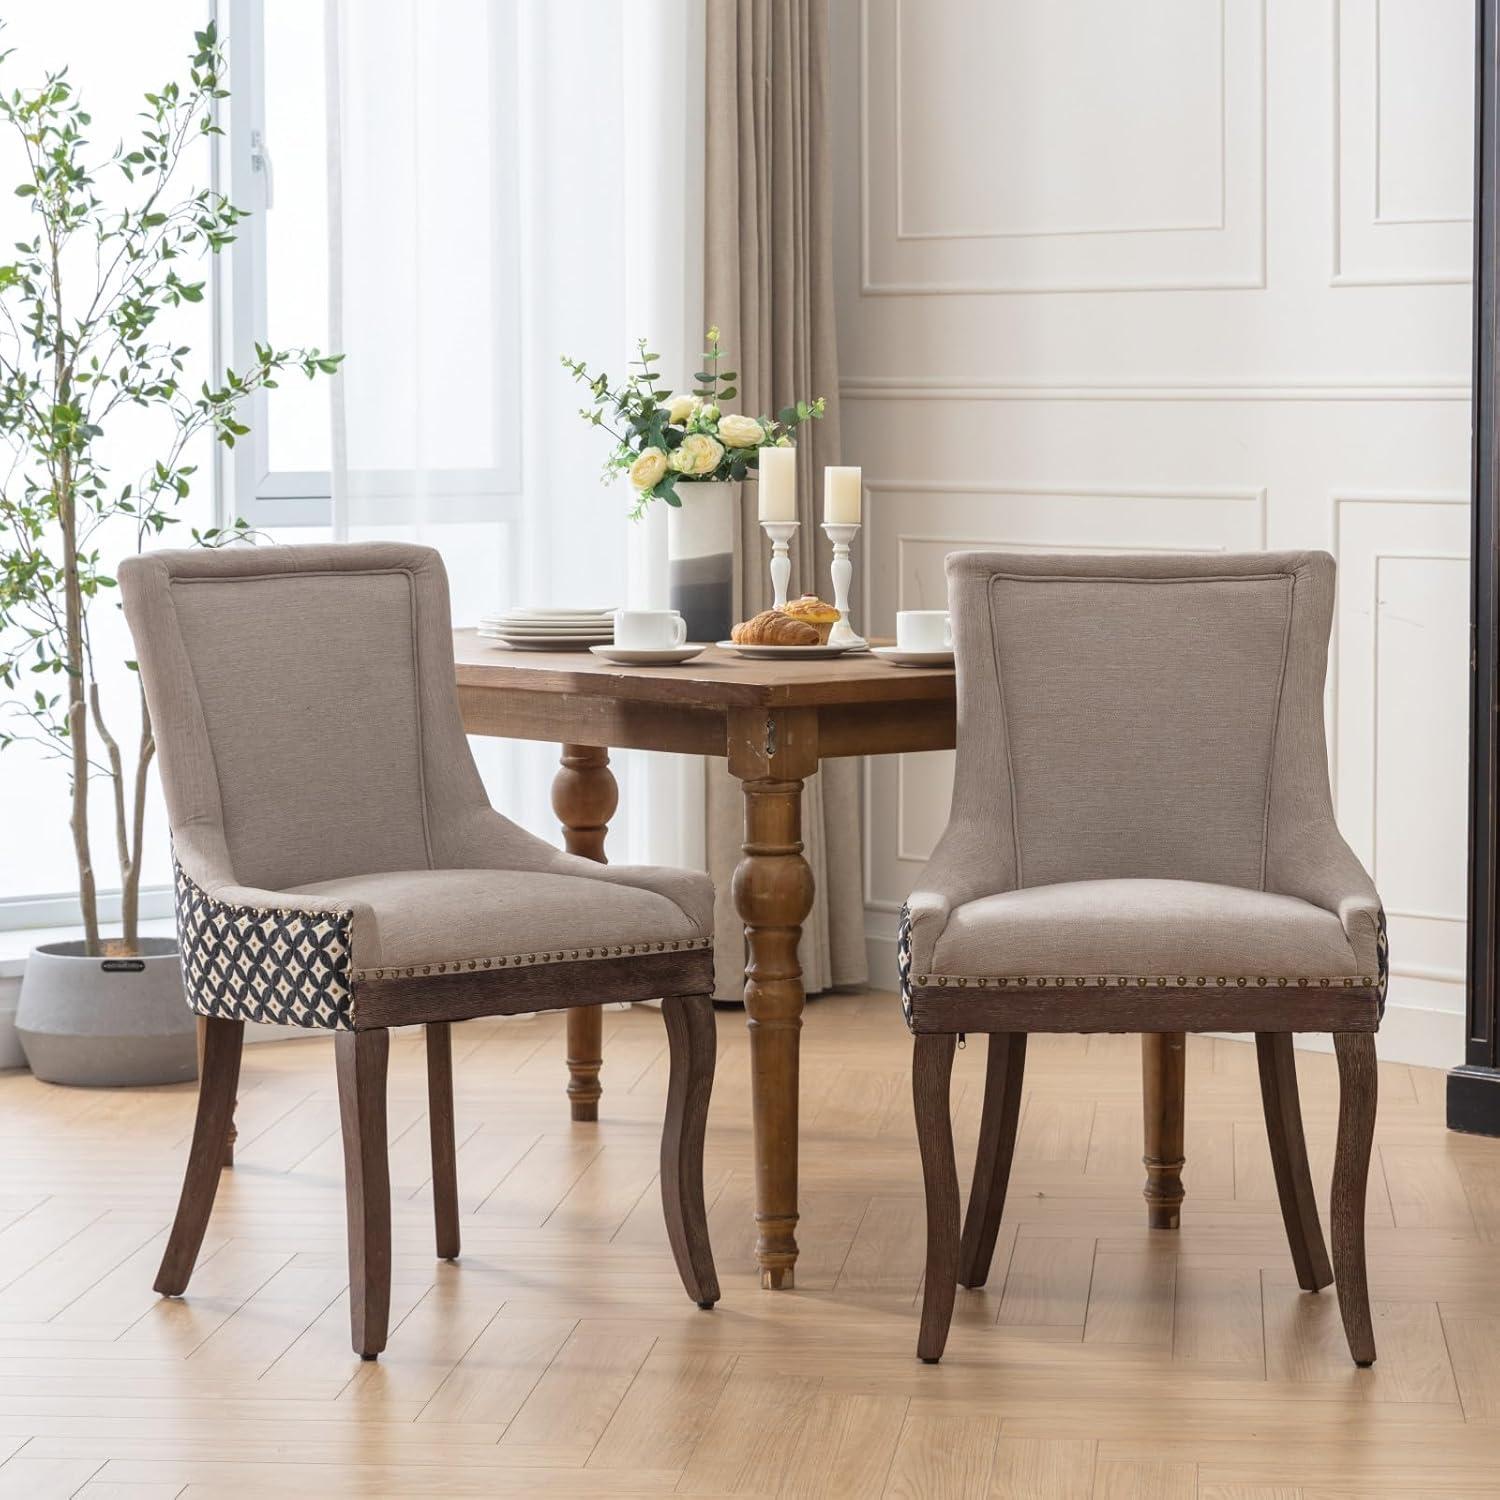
{"type": "Point", "coordinates": [700, 558]}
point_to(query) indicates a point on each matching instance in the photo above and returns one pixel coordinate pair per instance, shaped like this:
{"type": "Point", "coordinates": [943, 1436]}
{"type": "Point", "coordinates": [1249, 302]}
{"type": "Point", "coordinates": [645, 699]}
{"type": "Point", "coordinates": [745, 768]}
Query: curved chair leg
{"type": "Point", "coordinates": [691, 1039]}
{"type": "Point", "coordinates": [444, 1150]}
{"type": "Point", "coordinates": [997, 1145]}
{"type": "Point", "coordinates": [218, 1078]}
{"type": "Point", "coordinates": [1299, 1208]}
{"type": "Point", "coordinates": [931, 1073]}
{"type": "Point", "coordinates": [1351, 1170]}
{"type": "Point", "coordinates": [362, 1057]}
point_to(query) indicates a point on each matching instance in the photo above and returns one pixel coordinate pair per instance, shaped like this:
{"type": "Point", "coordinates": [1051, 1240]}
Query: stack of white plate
{"type": "Point", "coordinates": [538, 629]}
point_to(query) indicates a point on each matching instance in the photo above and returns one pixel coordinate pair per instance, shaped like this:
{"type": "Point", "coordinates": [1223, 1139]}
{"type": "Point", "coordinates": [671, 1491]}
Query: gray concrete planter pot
{"type": "Point", "coordinates": [107, 1022]}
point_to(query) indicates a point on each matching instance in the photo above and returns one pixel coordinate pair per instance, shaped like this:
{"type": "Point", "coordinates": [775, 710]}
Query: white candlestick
{"type": "Point", "coordinates": [841, 535]}
{"type": "Point", "coordinates": [843, 489]}
{"type": "Point", "coordinates": [780, 532]}
{"type": "Point", "coordinates": [777, 468]}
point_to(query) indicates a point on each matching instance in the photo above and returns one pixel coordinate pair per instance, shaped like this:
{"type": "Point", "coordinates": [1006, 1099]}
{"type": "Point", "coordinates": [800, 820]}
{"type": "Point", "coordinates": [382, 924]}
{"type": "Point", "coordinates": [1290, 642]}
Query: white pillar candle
{"type": "Point", "coordinates": [778, 484]}
{"type": "Point", "coordinates": [842, 488]}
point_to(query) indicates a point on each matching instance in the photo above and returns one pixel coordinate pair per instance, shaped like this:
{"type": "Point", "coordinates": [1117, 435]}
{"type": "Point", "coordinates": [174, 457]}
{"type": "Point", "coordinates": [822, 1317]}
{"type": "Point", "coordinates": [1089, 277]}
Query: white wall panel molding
{"type": "Point", "coordinates": [981, 173]}
{"type": "Point", "coordinates": [941, 388]}
{"type": "Point", "coordinates": [1403, 142]}
{"type": "Point", "coordinates": [1398, 696]}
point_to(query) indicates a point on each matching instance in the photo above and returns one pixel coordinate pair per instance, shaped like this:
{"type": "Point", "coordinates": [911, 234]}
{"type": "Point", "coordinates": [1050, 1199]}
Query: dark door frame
{"type": "Point", "coordinates": [1474, 1088]}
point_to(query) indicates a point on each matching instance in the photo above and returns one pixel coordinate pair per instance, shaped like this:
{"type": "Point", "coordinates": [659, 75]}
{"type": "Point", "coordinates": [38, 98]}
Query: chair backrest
{"type": "Point", "coordinates": [1138, 716]}
{"type": "Point", "coordinates": [303, 701]}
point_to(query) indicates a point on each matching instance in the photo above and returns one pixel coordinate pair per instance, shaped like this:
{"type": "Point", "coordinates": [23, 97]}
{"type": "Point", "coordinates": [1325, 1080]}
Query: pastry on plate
{"type": "Point", "coordinates": [773, 628]}
{"type": "Point", "coordinates": [822, 617]}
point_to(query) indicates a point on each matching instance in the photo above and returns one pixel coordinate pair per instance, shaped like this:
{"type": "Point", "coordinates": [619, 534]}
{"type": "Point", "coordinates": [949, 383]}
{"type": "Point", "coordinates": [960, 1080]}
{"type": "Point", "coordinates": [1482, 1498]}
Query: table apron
{"type": "Point", "coordinates": [843, 729]}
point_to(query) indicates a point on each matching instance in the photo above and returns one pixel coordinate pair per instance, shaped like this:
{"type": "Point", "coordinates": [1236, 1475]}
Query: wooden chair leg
{"type": "Point", "coordinates": [218, 1078]}
{"type": "Point", "coordinates": [1351, 1170]}
{"type": "Point", "coordinates": [1299, 1207]}
{"type": "Point", "coordinates": [932, 1071]}
{"type": "Point", "coordinates": [997, 1144]}
{"type": "Point", "coordinates": [444, 1149]}
{"type": "Point", "coordinates": [362, 1057]}
{"type": "Point", "coordinates": [691, 1039]}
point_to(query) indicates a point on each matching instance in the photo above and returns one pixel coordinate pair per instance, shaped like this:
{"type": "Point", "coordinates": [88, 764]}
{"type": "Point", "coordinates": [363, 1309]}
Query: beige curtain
{"type": "Point", "coordinates": [768, 284]}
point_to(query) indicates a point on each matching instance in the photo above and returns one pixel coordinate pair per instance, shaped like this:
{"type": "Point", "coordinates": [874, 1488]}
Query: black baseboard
{"type": "Point", "coordinates": [1474, 1100]}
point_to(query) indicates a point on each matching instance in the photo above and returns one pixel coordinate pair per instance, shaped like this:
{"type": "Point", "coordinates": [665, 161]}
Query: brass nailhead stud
{"type": "Point", "coordinates": [1261, 982]}
{"type": "Point", "coordinates": [1181, 979]}
{"type": "Point", "coordinates": [1041, 984]}
{"type": "Point", "coordinates": [942, 980]}
{"type": "Point", "coordinates": [1365, 979]}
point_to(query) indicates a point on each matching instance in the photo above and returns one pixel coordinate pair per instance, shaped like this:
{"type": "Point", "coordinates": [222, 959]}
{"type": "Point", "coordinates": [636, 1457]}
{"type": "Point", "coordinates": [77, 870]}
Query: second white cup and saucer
{"type": "Point", "coordinates": [649, 638]}
{"type": "Point", "coordinates": [924, 638]}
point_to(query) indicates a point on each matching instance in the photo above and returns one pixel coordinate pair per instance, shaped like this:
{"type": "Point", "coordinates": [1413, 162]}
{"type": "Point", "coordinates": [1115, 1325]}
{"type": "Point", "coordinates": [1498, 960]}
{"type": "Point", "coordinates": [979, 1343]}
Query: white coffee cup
{"type": "Point", "coordinates": [924, 630]}
{"type": "Point", "coordinates": [649, 629]}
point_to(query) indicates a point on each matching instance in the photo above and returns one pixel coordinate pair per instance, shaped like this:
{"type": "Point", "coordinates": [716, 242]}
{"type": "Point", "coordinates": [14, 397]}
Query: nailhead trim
{"type": "Point", "coordinates": [1138, 981]}
{"type": "Point", "coordinates": [532, 960]}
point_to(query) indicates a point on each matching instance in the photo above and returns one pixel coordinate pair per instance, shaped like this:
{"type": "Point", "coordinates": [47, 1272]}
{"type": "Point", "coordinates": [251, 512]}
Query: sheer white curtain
{"type": "Point", "coordinates": [510, 182]}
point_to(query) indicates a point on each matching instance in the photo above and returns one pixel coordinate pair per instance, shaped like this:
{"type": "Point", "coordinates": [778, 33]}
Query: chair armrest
{"type": "Point", "coordinates": [250, 954]}
{"type": "Point", "coordinates": [487, 840]}
{"type": "Point", "coordinates": [1325, 872]}
{"type": "Point", "coordinates": [958, 872]}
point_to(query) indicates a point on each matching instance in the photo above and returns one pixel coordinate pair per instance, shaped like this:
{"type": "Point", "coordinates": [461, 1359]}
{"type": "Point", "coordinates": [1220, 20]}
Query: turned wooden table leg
{"type": "Point", "coordinates": [1164, 1083]}
{"type": "Point", "coordinates": [773, 893]}
{"type": "Point", "coordinates": [584, 797]}
{"type": "Point", "coordinates": [233, 1133]}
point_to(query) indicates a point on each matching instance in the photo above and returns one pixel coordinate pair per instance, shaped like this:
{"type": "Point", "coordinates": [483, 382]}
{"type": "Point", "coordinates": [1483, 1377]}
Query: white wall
{"type": "Point", "coordinates": [1186, 275]}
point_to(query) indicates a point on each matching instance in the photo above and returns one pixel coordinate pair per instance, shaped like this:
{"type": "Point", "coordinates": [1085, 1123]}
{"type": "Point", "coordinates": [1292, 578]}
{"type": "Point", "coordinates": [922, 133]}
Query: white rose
{"type": "Point", "coordinates": [648, 469]}
{"type": "Point", "coordinates": [741, 432]}
{"type": "Point", "coordinates": [682, 408]}
{"type": "Point", "coordinates": [698, 454]}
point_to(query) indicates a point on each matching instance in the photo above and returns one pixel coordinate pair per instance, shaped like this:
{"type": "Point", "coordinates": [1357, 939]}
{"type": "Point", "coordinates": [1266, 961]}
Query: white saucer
{"type": "Point", "coordinates": [657, 656]}
{"type": "Point", "coordinates": [899, 658]}
{"type": "Point", "coordinates": [787, 653]}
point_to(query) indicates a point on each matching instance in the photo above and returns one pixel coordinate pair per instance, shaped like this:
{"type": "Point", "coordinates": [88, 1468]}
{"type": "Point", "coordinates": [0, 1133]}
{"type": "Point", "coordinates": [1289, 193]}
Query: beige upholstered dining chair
{"type": "Point", "coordinates": [339, 866]}
{"type": "Point", "coordinates": [1142, 839]}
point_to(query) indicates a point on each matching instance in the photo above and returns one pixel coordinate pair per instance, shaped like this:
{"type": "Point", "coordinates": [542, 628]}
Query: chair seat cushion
{"type": "Point", "coordinates": [1112, 929]}
{"type": "Point", "coordinates": [432, 917]}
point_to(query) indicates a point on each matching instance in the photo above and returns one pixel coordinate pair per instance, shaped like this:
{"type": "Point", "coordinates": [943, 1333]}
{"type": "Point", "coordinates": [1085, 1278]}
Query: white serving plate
{"type": "Point", "coordinates": [519, 643]}
{"type": "Point", "coordinates": [786, 653]}
{"type": "Point", "coordinates": [597, 632]}
{"type": "Point", "coordinates": [550, 612]}
{"type": "Point", "coordinates": [901, 658]}
{"type": "Point", "coordinates": [657, 656]}
{"type": "Point", "coordinates": [546, 624]}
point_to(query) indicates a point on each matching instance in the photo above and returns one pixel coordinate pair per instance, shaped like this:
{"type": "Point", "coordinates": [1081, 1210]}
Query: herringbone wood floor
{"type": "Point", "coordinates": [561, 1358]}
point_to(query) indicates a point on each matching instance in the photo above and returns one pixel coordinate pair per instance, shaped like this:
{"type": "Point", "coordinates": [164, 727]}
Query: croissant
{"type": "Point", "coordinates": [772, 628]}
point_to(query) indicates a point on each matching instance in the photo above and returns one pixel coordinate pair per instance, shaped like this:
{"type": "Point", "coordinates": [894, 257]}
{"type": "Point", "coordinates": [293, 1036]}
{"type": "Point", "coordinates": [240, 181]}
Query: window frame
{"type": "Point", "coordinates": [274, 499]}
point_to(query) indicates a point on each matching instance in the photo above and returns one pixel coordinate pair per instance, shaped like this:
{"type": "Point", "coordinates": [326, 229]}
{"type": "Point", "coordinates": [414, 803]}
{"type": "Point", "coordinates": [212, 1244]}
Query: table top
{"type": "Point", "coordinates": [717, 679]}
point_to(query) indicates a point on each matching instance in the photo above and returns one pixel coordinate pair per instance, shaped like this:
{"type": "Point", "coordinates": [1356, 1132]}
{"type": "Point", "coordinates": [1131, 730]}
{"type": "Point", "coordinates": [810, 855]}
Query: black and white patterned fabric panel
{"type": "Point", "coordinates": [245, 963]}
{"type": "Point", "coordinates": [1382, 959]}
{"type": "Point", "coordinates": [903, 966]}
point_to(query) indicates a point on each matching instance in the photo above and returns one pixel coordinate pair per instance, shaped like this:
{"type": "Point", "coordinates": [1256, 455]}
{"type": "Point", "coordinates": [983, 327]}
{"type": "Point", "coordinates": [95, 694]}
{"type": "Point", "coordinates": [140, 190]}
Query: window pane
{"type": "Point", "coordinates": [296, 136]}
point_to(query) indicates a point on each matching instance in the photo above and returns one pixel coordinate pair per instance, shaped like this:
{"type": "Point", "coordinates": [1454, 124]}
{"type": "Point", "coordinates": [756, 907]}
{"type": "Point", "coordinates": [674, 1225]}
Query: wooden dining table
{"type": "Point", "coordinates": [773, 722]}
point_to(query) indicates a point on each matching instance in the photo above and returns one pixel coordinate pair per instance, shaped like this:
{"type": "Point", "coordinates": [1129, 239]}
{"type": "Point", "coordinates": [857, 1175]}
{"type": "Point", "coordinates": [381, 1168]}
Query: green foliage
{"type": "Point", "coordinates": [115, 240]}
{"type": "Point", "coordinates": [696, 441]}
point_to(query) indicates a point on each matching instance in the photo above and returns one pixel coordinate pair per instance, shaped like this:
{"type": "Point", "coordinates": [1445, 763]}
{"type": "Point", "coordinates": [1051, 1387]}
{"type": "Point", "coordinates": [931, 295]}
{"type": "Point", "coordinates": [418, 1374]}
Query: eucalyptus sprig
{"type": "Point", "coordinates": [662, 440]}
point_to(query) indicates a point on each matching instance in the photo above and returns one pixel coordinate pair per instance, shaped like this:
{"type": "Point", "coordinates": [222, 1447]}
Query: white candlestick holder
{"type": "Point", "coordinates": [781, 534]}
{"type": "Point", "coordinates": [843, 633]}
